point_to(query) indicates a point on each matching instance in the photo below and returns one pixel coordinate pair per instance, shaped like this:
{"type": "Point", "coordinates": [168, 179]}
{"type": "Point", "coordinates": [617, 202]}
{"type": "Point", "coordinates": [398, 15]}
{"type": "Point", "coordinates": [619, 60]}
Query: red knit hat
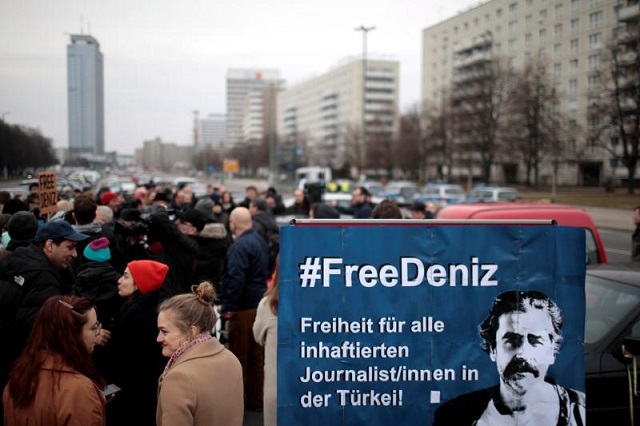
{"type": "Point", "coordinates": [106, 197]}
{"type": "Point", "coordinates": [148, 275]}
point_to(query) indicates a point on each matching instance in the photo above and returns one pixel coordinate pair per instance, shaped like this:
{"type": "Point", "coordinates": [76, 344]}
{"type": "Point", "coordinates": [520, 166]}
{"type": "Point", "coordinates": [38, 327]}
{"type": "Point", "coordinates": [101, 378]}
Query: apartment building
{"type": "Point", "coordinates": [322, 118]}
{"type": "Point", "coordinates": [570, 36]}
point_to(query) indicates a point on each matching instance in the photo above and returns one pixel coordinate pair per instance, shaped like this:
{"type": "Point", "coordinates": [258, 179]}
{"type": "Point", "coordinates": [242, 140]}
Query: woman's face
{"type": "Point", "coordinates": [90, 330]}
{"type": "Point", "coordinates": [126, 287]}
{"type": "Point", "coordinates": [169, 335]}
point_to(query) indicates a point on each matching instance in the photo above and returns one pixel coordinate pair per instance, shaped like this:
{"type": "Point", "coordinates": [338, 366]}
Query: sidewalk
{"type": "Point", "coordinates": [614, 219]}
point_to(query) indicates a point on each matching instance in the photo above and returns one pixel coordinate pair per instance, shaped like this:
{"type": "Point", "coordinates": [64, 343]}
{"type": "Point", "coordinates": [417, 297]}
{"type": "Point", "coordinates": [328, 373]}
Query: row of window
{"type": "Point", "coordinates": [593, 84]}
{"type": "Point", "coordinates": [595, 41]}
{"type": "Point", "coordinates": [594, 62]}
{"type": "Point", "coordinates": [595, 21]}
{"type": "Point", "coordinates": [542, 14]}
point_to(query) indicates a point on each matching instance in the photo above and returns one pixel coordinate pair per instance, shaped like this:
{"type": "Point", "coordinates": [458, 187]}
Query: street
{"type": "Point", "coordinates": [617, 245]}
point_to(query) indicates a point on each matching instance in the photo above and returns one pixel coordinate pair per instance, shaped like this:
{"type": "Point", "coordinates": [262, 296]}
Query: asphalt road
{"type": "Point", "coordinates": [617, 244]}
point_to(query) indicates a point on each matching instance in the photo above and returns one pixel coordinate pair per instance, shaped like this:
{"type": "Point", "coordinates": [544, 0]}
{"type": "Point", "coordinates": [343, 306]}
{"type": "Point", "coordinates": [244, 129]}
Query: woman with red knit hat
{"type": "Point", "coordinates": [136, 360]}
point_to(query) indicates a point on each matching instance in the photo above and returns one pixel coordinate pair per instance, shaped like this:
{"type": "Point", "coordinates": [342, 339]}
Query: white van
{"type": "Point", "coordinates": [312, 174]}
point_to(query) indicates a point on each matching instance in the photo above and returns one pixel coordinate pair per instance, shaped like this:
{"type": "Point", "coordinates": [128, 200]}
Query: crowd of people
{"type": "Point", "coordinates": [109, 287]}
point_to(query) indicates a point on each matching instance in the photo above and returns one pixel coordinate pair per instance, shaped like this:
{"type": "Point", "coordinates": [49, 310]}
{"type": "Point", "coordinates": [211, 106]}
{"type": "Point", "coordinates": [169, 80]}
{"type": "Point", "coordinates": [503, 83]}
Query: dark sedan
{"type": "Point", "coordinates": [613, 313]}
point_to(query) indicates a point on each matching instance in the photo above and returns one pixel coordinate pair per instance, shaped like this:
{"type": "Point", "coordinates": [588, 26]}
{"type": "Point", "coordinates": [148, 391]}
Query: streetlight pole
{"type": "Point", "coordinates": [363, 130]}
{"type": "Point", "coordinates": [5, 171]}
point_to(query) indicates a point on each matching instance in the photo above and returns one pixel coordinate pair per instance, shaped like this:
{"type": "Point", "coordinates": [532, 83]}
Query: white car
{"type": "Point", "coordinates": [441, 193]}
{"type": "Point", "coordinates": [490, 194]}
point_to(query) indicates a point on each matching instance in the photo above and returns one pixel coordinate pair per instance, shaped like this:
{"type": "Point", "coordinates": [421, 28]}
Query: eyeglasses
{"type": "Point", "coordinates": [97, 327]}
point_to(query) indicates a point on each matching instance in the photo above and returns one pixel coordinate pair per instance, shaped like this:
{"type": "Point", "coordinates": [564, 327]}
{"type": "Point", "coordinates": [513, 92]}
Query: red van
{"type": "Point", "coordinates": [564, 215]}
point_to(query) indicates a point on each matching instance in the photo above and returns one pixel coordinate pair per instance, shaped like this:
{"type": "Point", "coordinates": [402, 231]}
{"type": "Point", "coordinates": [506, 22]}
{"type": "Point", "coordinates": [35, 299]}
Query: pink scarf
{"type": "Point", "coordinates": [203, 337]}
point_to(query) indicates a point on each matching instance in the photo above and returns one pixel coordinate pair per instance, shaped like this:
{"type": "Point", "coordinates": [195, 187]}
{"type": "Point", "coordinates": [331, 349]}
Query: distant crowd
{"type": "Point", "coordinates": [129, 290]}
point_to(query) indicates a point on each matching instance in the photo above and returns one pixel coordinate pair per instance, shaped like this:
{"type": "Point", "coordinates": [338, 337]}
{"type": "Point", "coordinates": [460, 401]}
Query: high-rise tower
{"type": "Point", "coordinates": [85, 94]}
{"type": "Point", "coordinates": [241, 82]}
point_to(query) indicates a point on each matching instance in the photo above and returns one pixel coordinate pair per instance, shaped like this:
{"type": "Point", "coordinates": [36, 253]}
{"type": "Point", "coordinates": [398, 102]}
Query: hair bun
{"type": "Point", "coordinates": [204, 292]}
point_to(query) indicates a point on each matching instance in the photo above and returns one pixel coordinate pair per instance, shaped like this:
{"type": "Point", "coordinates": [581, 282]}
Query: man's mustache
{"type": "Point", "coordinates": [519, 366]}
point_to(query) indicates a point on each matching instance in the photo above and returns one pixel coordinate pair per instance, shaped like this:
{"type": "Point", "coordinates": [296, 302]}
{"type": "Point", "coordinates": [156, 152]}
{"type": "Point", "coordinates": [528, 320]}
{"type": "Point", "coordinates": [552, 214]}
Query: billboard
{"type": "Point", "coordinates": [417, 323]}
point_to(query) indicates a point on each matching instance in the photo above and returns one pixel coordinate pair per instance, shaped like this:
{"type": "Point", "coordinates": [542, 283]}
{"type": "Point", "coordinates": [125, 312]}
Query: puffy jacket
{"type": "Point", "coordinates": [40, 280]}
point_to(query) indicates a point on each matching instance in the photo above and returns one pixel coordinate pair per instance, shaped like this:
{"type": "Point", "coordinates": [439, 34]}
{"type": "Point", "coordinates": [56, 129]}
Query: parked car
{"type": "Point", "coordinates": [492, 194]}
{"type": "Point", "coordinates": [120, 184]}
{"type": "Point", "coordinates": [62, 182]}
{"type": "Point", "coordinates": [563, 215]}
{"type": "Point", "coordinates": [376, 189]}
{"type": "Point", "coordinates": [402, 192]}
{"type": "Point", "coordinates": [441, 193]}
{"type": "Point", "coordinates": [613, 313]}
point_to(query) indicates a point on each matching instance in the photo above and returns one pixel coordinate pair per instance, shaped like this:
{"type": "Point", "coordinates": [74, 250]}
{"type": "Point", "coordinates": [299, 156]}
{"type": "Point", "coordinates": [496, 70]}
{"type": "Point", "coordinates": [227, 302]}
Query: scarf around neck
{"type": "Point", "coordinates": [202, 337]}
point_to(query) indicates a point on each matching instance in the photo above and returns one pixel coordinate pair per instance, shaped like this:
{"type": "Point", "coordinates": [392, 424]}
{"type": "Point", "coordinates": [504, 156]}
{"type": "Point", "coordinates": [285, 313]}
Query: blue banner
{"type": "Point", "coordinates": [406, 324]}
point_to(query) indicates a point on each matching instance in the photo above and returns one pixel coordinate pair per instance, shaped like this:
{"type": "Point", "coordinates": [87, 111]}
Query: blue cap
{"type": "Point", "coordinates": [58, 229]}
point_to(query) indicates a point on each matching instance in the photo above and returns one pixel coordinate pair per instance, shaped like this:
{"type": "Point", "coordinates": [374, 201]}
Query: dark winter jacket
{"type": "Point", "coordinates": [299, 209]}
{"type": "Point", "coordinates": [635, 245]}
{"type": "Point", "coordinates": [136, 361]}
{"type": "Point", "coordinates": [213, 243]}
{"type": "Point", "coordinates": [27, 280]}
{"type": "Point", "coordinates": [266, 226]}
{"type": "Point", "coordinates": [98, 282]}
{"type": "Point", "coordinates": [359, 211]}
{"type": "Point", "coordinates": [246, 272]}
{"type": "Point", "coordinates": [40, 279]}
{"type": "Point", "coordinates": [178, 252]}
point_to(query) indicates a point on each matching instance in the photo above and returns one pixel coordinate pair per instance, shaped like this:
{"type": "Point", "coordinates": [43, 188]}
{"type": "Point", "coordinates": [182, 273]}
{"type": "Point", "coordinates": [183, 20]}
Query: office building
{"type": "Point", "coordinates": [322, 118]}
{"type": "Point", "coordinates": [241, 82]}
{"type": "Point", "coordinates": [157, 154]}
{"type": "Point", "coordinates": [212, 131]}
{"type": "Point", "coordinates": [569, 36]}
{"type": "Point", "coordinates": [85, 95]}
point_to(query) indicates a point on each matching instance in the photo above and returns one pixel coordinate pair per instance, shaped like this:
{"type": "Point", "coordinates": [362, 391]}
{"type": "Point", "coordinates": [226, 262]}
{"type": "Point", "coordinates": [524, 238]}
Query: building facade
{"type": "Point", "coordinates": [241, 82]}
{"type": "Point", "coordinates": [569, 36]}
{"type": "Point", "coordinates": [85, 95]}
{"type": "Point", "coordinates": [157, 154]}
{"type": "Point", "coordinates": [213, 129]}
{"type": "Point", "coordinates": [323, 117]}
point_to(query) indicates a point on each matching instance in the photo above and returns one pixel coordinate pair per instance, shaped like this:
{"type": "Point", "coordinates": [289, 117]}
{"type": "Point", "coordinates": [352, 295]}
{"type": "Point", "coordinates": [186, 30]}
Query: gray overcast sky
{"type": "Point", "coordinates": [165, 58]}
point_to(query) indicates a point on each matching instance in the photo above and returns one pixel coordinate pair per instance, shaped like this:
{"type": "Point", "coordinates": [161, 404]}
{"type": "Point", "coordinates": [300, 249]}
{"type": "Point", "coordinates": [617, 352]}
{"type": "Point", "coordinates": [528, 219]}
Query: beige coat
{"type": "Point", "coordinates": [265, 331]}
{"type": "Point", "coordinates": [203, 387]}
{"type": "Point", "coordinates": [76, 400]}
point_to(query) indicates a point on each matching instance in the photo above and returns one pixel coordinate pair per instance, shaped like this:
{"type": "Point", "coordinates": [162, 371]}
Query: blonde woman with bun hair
{"type": "Point", "coordinates": [202, 382]}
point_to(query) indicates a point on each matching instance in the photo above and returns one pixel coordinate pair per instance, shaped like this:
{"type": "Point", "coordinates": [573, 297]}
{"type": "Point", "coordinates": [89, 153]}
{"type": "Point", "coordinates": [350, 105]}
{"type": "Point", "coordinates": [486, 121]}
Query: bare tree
{"type": "Point", "coordinates": [351, 137]}
{"type": "Point", "coordinates": [536, 125]}
{"type": "Point", "coordinates": [408, 155]}
{"type": "Point", "coordinates": [380, 152]}
{"type": "Point", "coordinates": [614, 105]}
{"type": "Point", "coordinates": [208, 156]}
{"type": "Point", "coordinates": [478, 102]}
